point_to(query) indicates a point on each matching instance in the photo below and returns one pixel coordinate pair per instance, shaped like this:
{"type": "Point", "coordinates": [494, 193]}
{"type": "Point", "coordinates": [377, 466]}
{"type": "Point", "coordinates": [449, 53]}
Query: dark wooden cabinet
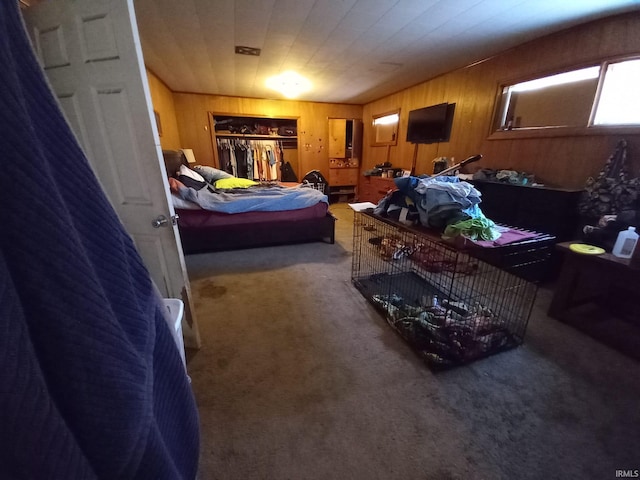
{"type": "Point", "coordinates": [543, 209]}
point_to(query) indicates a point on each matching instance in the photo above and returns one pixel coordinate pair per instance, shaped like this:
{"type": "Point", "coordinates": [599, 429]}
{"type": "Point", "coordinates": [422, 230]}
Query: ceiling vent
{"type": "Point", "coordinates": [247, 51]}
{"type": "Point", "coordinates": [386, 67]}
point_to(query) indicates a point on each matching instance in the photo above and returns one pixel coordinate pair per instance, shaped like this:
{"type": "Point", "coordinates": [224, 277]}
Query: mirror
{"type": "Point", "coordinates": [385, 128]}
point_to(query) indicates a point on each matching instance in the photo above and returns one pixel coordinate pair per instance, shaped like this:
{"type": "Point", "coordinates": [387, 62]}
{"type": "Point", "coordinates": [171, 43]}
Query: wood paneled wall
{"type": "Point", "coordinates": [162, 99]}
{"type": "Point", "coordinates": [561, 161]}
{"type": "Point", "coordinates": [192, 113]}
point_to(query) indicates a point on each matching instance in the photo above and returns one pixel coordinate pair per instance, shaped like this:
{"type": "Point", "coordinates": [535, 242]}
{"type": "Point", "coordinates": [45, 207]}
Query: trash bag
{"type": "Point", "coordinates": [287, 174]}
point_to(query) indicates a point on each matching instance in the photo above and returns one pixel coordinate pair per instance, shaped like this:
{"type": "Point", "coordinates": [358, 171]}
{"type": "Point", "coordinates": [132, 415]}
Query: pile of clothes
{"type": "Point", "coordinates": [446, 332]}
{"type": "Point", "coordinates": [438, 203]}
{"type": "Point", "coordinates": [505, 176]}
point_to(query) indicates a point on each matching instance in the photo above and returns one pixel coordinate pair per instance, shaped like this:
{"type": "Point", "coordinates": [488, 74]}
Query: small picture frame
{"type": "Point", "coordinates": [158, 123]}
{"type": "Point", "coordinates": [406, 173]}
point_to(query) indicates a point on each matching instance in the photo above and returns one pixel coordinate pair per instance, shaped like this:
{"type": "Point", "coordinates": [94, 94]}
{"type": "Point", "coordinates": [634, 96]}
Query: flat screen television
{"type": "Point", "coordinates": [431, 124]}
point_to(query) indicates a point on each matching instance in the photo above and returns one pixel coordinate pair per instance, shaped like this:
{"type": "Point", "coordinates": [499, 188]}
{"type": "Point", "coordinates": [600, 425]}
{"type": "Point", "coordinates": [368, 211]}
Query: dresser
{"type": "Point", "coordinates": [373, 188]}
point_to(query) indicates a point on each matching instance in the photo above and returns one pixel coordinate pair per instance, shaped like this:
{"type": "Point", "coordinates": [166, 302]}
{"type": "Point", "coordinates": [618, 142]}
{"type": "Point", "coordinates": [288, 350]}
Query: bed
{"type": "Point", "coordinates": [209, 231]}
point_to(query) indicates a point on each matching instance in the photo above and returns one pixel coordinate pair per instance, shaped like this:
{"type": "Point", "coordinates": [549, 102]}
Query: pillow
{"type": "Point", "coordinates": [190, 182]}
{"type": "Point", "coordinates": [190, 178]}
{"type": "Point", "coordinates": [234, 182]}
{"type": "Point", "coordinates": [179, 202]}
{"type": "Point", "coordinates": [211, 174]}
{"type": "Point", "coordinates": [184, 170]}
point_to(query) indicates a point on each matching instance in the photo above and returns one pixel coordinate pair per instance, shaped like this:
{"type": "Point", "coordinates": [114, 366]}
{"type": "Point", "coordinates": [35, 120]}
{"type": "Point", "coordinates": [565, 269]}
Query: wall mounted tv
{"type": "Point", "coordinates": [431, 124]}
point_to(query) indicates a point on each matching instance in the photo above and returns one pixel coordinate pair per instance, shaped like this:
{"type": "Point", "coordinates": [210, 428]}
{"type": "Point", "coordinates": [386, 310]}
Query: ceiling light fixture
{"type": "Point", "coordinates": [290, 84]}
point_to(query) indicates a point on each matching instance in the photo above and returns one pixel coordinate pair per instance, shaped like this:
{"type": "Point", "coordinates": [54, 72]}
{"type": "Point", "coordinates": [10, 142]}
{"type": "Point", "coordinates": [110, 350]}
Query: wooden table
{"type": "Point", "coordinates": [600, 295]}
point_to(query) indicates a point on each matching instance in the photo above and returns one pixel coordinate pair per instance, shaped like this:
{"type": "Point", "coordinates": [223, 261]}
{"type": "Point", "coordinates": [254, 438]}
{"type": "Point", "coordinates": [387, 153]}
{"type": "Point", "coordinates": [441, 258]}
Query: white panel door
{"type": "Point", "coordinates": [90, 51]}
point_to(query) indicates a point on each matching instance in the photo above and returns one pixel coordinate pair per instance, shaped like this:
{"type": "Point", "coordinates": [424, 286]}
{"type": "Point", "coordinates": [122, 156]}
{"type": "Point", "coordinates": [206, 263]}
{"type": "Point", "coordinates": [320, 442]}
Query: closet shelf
{"type": "Point", "coordinates": [256, 137]}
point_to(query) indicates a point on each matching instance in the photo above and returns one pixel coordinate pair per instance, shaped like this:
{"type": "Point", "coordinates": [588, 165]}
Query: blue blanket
{"type": "Point", "coordinates": [254, 199]}
{"type": "Point", "coordinates": [91, 384]}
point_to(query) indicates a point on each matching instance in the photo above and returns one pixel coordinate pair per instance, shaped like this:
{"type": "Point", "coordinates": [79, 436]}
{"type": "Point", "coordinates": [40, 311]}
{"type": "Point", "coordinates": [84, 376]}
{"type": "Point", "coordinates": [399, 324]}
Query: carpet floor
{"type": "Point", "coordinates": [300, 378]}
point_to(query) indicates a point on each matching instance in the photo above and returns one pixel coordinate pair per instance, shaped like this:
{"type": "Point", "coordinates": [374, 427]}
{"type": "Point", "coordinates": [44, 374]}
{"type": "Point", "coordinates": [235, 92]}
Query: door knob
{"type": "Point", "coordinates": [162, 221]}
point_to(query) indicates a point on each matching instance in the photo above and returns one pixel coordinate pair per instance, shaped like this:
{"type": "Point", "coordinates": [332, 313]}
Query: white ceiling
{"type": "Point", "coordinates": [353, 51]}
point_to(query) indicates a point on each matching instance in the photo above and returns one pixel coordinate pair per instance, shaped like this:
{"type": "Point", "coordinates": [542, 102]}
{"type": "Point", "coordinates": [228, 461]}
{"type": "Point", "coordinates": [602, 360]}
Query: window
{"type": "Point", "coordinates": [598, 95]}
{"type": "Point", "coordinates": [619, 102]}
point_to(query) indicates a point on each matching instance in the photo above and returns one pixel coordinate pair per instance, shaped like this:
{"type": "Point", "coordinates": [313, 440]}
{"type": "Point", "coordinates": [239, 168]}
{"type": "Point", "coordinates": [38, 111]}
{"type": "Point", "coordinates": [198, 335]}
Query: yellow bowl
{"type": "Point", "coordinates": [586, 249]}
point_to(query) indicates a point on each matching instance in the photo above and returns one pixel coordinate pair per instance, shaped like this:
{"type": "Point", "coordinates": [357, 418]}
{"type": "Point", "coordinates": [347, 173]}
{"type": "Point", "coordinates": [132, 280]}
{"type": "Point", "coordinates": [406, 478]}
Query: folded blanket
{"type": "Point", "coordinates": [508, 236]}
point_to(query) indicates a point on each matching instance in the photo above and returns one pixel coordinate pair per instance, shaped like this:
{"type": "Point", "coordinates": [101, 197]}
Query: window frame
{"type": "Point", "coordinates": [561, 131]}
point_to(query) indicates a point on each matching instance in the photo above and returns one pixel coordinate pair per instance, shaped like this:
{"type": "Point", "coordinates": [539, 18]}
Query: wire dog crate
{"type": "Point", "coordinates": [451, 305]}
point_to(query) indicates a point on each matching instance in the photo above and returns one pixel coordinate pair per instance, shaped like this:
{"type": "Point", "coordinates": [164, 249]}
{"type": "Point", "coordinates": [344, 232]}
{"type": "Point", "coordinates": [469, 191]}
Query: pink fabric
{"type": "Point", "coordinates": [508, 236]}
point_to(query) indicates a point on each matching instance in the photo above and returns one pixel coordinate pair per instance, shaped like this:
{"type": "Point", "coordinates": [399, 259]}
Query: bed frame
{"type": "Point", "coordinates": [260, 234]}
{"type": "Point", "coordinates": [236, 237]}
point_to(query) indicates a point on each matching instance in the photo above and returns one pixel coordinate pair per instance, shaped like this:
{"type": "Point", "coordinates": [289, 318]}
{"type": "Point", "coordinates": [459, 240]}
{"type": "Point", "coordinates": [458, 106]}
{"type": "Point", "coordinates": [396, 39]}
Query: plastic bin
{"type": "Point", "coordinates": [175, 309]}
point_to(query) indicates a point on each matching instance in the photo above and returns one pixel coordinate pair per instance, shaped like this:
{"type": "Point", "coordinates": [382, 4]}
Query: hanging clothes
{"type": "Point", "coordinates": [232, 160]}
{"type": "Point", "coordinates": [224, 155]}
{"type": "Point", "coordinates": [249, 161]}
{"type": "Point", "coordinates": [241, 160]}
{"type": "Point", "coordinates": [257, 164]}
{"type": "Point", "coordinates": [258, 160]}
{"type": "Point", "coordinates": [264, 158]}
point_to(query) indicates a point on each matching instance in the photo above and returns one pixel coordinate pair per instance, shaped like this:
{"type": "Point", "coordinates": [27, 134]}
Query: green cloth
{"type": "Point", "coordinates": [480, 228]}
{"type": "Point", "coordinates": [233, 182]}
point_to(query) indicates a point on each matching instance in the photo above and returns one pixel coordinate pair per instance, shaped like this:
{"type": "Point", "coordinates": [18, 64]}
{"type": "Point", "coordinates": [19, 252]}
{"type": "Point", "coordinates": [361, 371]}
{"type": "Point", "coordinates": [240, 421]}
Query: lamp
{"type": "Point", "coordinates": [188, 153]}
{"type": "Point", "coordinates": [290, 84]}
